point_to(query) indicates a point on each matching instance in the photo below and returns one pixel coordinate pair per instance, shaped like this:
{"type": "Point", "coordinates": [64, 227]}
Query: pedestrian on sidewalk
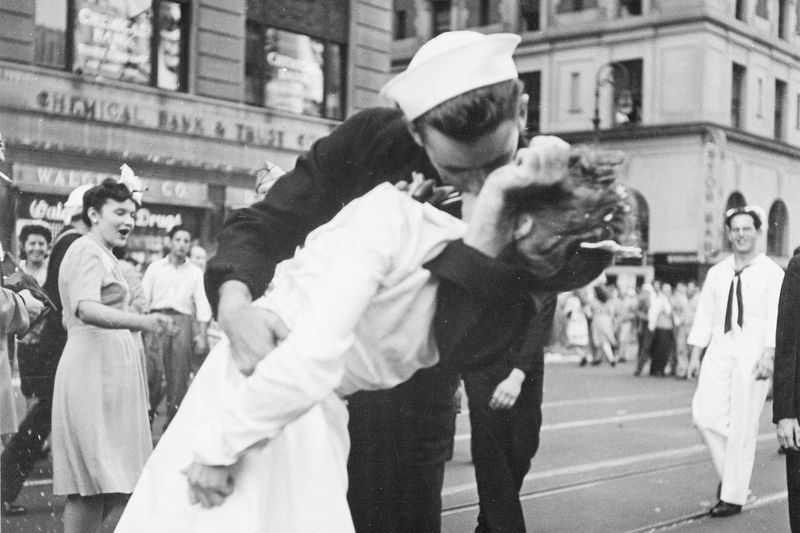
{"type": "Point", "coordinates": [34, 240]}
{"type": "Point", "coordinates": [626, 326]}
{"type": "Point", "coordinates": [602, 328]}
{"type": "Point", "coordinates": [644, 333]}
{"type": "Point", "coordinates": [577, 328]}
{"type": "Point", "coordinates": [735, 321]}
{"type": "Point", "coordinates": [661, 324]}
{"type": "Point", "coordinates": [173, 285]}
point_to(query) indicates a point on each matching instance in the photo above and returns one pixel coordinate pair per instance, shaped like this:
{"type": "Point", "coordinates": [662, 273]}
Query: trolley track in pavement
{"type": "Point", "coordinates": [584, 484]}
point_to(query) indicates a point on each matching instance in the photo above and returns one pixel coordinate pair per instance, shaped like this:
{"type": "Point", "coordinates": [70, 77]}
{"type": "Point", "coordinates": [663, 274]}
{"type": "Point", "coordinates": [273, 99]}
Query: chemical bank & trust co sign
{"type": "Point", "coordinates": [182, 114]}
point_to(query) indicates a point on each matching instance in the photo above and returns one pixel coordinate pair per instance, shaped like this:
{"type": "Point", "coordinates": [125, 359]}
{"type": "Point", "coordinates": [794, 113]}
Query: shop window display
{"type": "Point", "coordinates": [293, 72]}
{"type": "Point", "coordinates": [137, 41]}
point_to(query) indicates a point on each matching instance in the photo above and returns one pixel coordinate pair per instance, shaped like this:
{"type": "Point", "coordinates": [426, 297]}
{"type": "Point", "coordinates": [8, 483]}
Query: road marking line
{"type": "Point", "coordinates": [612, 399]}
{"type": "Point", "coordinates": [604, 399]}
{"type": "Point", "coordinates": [608, 463]}
{"type": "Point", "coordinates": [600, 421]}
{"type": "Point", "coordinates": [38, 482]}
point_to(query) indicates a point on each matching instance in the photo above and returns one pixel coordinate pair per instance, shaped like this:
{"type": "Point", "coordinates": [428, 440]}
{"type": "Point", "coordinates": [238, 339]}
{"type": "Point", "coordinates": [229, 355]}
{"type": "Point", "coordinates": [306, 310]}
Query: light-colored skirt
{"type": "Point", "coordinates": [296, 483]}
{"type": "Point", "coordinates": [101, 434]}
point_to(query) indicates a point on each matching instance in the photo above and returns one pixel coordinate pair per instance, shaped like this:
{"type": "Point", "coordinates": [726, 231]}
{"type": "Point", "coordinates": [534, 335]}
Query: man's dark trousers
{"type": "Point", "coordinates": [400, 441]}
{"type": "Point", "coordinates": [793, 486]}
{"type": "Point", "coordinates": [503, 444]}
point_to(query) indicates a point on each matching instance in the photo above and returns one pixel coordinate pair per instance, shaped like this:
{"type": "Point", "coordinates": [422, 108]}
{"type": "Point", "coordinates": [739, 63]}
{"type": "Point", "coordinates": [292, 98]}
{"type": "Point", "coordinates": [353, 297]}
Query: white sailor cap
{"type": "Point", "coordinates": [451, 64]}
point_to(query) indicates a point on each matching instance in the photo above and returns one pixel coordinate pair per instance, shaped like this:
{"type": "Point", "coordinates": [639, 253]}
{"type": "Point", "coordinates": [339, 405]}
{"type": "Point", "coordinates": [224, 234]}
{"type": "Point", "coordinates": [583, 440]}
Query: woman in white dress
{"type": "Point", "coordinates": [273, 446]}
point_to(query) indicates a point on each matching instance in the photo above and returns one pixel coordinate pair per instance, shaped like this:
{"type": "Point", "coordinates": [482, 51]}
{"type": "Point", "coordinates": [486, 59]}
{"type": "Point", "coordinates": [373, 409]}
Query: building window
{"type": "Point", "coordinates": [740, 4]}
{"type": "Point", "coordinates": [568, 6]}
{"type": "Point", "coordinates": [139, 41]}
{"type": "Point", "coordinates": [143, 42]}
{"type": "Point", "coordinates": [529, 11]}
{"type": "Point", "coordinates": [797, 113]}
{"type": "Point", "coordinates": [171, 49]}
{"type": "Point", "coordinates": [783, 19]}
{"type": "Point", "coordinates": [762, 8]}
{"type": "Point", "coordinates": [441, 16]}
{"type": "Point", "coordinates": [629, 112]}
{"type": "Point", "coordinates": [484, 9]}
{"type": "Point", "coordinates": [737, 95]}
{"type": "Point", "coordinates": [400, 24]}
{"type": "Point", "coordinates": [641, 221]}
{"type": "Point", "coordinates": [533, 88]}
{"type": "Point", "coordinates": [293, 72]}
{"type": "Point", "coordinates": [778, 229]}
{"type": "Point", "coordinates": [50, 33]}
{"type": "Point", "coordinates": [760, 97]}
{"type": "Point", "coordinates": [780, 108]}
{"type": "Point", "coordinates": [575, 92]}
{"type": "Point", "coordinates": [628, 8]}
{"type": "Point", "coordinates": [253, 63]}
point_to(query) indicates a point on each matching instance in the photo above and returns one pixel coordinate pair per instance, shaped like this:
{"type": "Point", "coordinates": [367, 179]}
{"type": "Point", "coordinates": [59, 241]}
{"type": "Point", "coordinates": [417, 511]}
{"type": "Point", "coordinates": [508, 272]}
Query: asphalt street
{"type": "Point", "coordinates": [618, 454]}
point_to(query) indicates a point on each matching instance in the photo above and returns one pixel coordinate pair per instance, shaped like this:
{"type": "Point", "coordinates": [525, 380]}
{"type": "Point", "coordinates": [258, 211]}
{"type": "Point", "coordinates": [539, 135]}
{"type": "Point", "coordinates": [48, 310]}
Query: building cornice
{"type": "Point", "coordinates": [686, 129]}
{"type": "Point", "coordinates": [682, 21]}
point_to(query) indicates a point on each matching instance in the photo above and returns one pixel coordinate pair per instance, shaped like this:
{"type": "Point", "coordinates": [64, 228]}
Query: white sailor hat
{"type": "Point", "coordinates": [451, 64]}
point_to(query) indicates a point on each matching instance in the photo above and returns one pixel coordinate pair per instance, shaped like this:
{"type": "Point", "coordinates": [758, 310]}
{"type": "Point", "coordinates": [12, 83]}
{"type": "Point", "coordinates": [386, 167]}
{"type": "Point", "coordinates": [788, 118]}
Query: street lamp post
{"type": "Point", "coordinates": [607, 74]}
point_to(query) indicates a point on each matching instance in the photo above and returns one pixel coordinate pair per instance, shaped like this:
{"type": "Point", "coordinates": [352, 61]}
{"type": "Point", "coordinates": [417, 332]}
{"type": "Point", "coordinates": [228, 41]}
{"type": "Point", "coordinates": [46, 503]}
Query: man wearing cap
{"type": "Point", "coordinates": [400, 438]}
{"type": "Point", "coordinates": [735, 321]}
{"type": "Point", "coordinates": [28, 443]}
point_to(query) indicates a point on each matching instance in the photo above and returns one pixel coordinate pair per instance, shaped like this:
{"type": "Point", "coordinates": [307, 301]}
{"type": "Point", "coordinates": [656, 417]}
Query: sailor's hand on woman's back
{"type": "Point", "coordinates": [252, 332]}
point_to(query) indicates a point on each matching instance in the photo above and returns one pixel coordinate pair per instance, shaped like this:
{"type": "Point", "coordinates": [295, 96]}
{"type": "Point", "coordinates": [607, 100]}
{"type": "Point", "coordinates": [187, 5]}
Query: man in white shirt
{"type": "Point", "coordinates": [174, 285]}
{"type": "Point", "coordinates": [735, 321]}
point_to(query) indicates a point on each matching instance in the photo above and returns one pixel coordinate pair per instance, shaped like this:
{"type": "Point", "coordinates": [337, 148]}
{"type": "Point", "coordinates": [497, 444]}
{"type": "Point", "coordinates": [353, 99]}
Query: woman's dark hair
{"type": "Point", "coordinates": [585, 205]}
{"type": "Point", "coordinates": [97, 196]}
{"type": "Point", "coordinates": [35, 229]}
{"type": "Point", "coordinates": [474, 113]}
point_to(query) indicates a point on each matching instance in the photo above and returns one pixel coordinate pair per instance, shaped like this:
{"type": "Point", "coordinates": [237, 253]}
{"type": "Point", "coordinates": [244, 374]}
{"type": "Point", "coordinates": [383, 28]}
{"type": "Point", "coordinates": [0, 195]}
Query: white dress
{"type": "Point", "coordinates": [359, 306]}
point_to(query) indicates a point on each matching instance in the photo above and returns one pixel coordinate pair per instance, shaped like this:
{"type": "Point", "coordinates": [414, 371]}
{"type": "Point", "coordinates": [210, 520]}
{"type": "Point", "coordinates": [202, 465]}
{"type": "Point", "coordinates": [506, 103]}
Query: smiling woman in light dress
{"type": "Point", "coordinates": [101, 435]}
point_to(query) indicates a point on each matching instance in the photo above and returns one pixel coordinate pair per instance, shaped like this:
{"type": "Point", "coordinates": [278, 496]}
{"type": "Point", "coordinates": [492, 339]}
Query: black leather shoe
{"type": "Point", "coordinates": [724, 508]}
{"type": "Point", "coordinates": [12, 509]}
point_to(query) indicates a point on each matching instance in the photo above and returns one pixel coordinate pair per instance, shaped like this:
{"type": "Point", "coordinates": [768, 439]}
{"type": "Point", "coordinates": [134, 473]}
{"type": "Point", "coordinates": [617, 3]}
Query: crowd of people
{"type": "Point", "coordinates": [645, 324]}
{"type": "Point", "coordinates": [410, 248]}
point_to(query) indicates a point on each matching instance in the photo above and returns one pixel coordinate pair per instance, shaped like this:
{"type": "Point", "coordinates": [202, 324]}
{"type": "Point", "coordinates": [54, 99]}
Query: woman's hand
{"type": "Point", "coordinates": [208, 485]}
{"type": "Point", "coordinates": [159, 324]}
